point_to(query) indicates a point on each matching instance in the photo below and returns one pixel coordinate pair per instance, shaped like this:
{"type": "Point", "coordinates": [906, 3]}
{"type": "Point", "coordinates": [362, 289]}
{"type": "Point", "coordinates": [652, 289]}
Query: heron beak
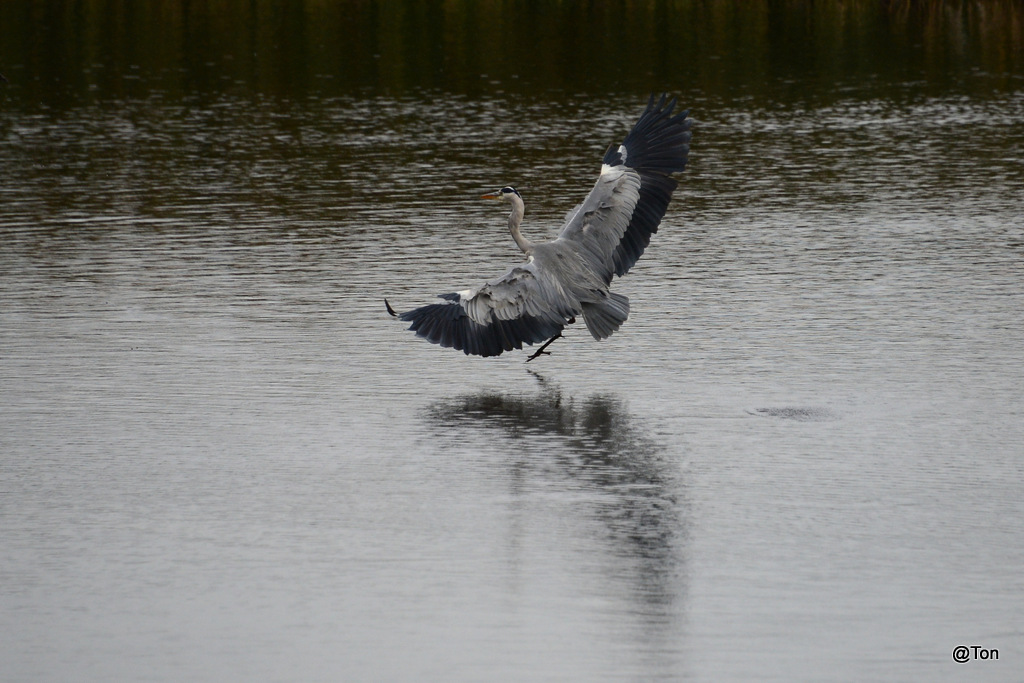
{"type": "Point", "coordinates": [492, 195]}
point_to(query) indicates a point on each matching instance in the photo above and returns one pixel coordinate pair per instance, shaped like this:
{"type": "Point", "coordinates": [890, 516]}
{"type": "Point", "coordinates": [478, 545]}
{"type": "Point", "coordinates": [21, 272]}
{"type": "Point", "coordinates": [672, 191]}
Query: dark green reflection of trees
{"type": "Point", "coordinates": [69, 50]}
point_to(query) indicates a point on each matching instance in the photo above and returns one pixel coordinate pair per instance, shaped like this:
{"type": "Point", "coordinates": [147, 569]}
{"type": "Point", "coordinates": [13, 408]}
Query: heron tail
{"type": "Point", "coordinates": [604, 317]}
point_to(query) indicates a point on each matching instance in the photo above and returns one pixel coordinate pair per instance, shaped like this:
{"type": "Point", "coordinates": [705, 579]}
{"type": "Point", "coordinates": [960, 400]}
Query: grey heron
{"type": "Point", "coordinates": [570, 276]}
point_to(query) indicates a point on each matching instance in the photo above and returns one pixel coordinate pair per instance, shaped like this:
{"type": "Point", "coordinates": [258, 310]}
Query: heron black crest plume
{"type": "Point", "coordinates": [570, 276]}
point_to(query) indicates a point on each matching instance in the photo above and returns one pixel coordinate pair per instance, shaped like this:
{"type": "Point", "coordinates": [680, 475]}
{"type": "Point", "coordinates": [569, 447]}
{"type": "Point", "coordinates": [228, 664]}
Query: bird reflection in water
{"type": "Point", "coordinates": [594, 450]}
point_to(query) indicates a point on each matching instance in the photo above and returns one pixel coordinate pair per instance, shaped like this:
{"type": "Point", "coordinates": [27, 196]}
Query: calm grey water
{"type": "Point", "coordinates": [220, 459]}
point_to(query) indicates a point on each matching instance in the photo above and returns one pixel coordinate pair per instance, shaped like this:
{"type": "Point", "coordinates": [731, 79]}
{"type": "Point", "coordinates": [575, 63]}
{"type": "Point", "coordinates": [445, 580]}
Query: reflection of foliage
{"type": "Point", "coordinates": [717, 47]}
{"type": "Point", "coordinates": [632, 489]}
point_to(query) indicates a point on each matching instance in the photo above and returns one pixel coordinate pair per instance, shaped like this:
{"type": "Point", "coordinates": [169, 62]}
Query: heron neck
{"type": "Point", "coordinates": [515, 219]}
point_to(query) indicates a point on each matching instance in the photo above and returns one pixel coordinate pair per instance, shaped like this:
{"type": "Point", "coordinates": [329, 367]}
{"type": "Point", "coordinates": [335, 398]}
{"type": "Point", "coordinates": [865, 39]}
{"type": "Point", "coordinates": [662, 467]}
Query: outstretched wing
{"type": "Point", "coordinates": [613, 226]}
{"type": "Point", "coordinates": [521, 307]}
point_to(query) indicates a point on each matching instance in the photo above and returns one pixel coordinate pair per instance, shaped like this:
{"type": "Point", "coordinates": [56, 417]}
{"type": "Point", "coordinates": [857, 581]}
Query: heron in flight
{"type": "Point", "coordinates": [570, 276]}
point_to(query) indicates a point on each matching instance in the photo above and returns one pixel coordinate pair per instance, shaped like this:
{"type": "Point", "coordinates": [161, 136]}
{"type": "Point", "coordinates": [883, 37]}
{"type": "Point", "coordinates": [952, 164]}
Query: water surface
{"type": "Point", "coordinates": [221, 459]}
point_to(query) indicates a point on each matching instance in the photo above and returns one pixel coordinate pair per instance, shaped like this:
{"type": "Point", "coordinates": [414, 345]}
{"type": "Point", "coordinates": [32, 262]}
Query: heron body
{"type": "Point", "coordinates": [571, 275]}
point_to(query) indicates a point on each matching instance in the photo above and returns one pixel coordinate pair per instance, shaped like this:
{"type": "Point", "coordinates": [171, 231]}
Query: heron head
{"type": "Point", "coordinates": [504, 194]}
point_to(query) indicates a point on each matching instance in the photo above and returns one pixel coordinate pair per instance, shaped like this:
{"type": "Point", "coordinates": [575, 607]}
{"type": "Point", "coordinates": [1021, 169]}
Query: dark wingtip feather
{"type": "Point", "coordinates": [657, 146]}
{"type": "Point", "coordinates": [659, 141]}
{"type": "Point", "coordinates": [449, 325]}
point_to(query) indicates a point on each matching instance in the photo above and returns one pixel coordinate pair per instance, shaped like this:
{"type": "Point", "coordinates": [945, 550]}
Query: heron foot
{"type": "Point", "coordinates": [541, 352]}
{"type": "Point", "coordinates": [537, 353]}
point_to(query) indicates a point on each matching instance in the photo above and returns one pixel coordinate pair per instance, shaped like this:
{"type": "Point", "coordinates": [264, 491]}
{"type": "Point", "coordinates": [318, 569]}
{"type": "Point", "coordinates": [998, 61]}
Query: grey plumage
{"type": "Point", "coordinates": [570, 275]}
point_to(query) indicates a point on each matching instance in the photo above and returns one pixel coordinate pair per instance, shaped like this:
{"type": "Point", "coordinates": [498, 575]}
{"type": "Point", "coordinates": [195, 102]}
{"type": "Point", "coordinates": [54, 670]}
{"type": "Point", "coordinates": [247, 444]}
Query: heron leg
{"type": "Point", "coordinates": [541, 351]}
